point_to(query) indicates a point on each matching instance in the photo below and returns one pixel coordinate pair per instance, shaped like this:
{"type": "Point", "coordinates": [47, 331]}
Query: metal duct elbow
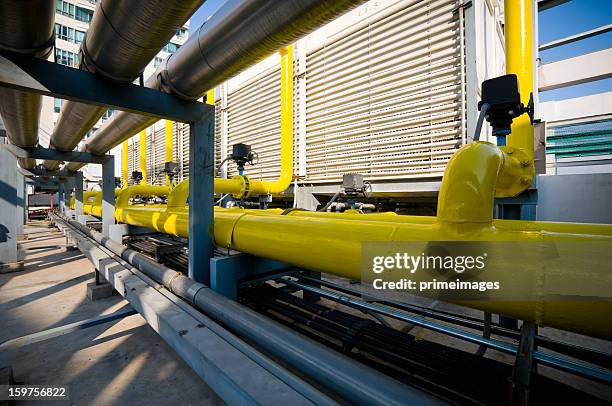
{"type": "Point", "coordinates": [27, 28]}
{"type": "Point", "coordinates": [122, 39]}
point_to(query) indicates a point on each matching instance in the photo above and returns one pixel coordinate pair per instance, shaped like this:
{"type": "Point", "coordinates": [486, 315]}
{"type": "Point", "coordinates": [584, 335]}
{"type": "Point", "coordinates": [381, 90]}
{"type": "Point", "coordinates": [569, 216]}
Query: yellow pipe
{"type": "Point", "coordinates": [143, 156]}
{"type": "Point", "coordinates": [123, 198]}
{"type": "Point", "coordinates": [286, 170]}
{"type": "Point", "coordinates": [519, 61]}
{"type": "Point", "coordinates": [124, 164]}
{"type": "Point", "coordinates": [333, 242]}
{"type": "Point", "coordinates": [334, 246]}
{"type": "Point", "coordinates": [92, 202]}
{"type": "Point", "coordinates": [242, 186]}
{"type": "Point", "coordinates": [168, 146]}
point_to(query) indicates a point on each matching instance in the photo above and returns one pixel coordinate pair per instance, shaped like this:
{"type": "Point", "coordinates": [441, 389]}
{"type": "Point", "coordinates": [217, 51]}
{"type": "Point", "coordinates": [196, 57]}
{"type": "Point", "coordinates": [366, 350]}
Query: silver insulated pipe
{"type": "Point", "coordinates": [237, 36]}
{"type": "Point", "coordinates": [27, 27]}
{"type": "Point", "coordinates": [122, 38]}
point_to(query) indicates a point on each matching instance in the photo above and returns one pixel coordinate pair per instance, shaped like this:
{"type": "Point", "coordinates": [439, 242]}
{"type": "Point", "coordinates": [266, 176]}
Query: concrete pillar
{"type": "Point", "coordinates": [21, 196]}
{"type": "Point", "coordinates": [78, 193]}
{"type": "Point", "coordinates": [10, 216]}
{"type": "Point", "coordinates": [108, 194]}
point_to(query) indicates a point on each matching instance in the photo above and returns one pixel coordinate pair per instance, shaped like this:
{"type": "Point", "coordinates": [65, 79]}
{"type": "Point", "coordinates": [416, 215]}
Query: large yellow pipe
{"type": "Point", "coordinates": [333, 241]}
{"type": "Point", "coordinates": [92, 202]}
{"type": "Point", "coordinates": [143, 156]}
{"type": "Point", "coordinates": [124, 164]}
{"type": "Point", "coordinates": [520, 61]}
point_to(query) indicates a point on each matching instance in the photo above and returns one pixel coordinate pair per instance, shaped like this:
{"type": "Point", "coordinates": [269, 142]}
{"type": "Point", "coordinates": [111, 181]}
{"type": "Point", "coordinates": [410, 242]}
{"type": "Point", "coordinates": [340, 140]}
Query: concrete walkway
{"type": "Point", "coordinates": [117, 363]}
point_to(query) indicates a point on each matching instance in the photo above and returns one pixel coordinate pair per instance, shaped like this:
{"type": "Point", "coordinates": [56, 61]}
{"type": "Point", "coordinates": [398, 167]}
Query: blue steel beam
{"type": "Point", "coordinates": [47, 153]}
{"type": "Point", "coordinates": [47, 78]}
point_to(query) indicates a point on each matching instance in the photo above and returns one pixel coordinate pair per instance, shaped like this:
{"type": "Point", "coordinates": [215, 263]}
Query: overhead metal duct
{"type": "Point", "coordinates": [237, 36]}
{"type": "Point", "coordinates": [122, 38]}
{"type": "Point", "coordinates": [27, 28]}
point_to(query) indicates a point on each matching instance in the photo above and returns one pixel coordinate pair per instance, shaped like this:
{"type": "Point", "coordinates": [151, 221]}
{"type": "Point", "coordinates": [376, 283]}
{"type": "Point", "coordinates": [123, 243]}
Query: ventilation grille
{"type": "Point", "coordinates": [385, 101]}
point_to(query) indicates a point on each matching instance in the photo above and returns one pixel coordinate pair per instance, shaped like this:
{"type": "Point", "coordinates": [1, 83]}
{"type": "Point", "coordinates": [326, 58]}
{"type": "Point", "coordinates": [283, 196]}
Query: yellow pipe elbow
{"type": "Point", "coordinates": [286, 171]}
{"type": "Point", "coordinates": [468, 186]}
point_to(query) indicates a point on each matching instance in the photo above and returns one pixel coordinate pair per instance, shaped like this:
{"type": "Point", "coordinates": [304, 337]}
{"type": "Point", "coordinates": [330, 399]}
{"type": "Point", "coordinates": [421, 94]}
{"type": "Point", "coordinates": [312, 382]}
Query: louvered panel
{"type": "Point", "coordinates": [135, 155]}
{"type": "Point", "coordinates": [130, 163]}
{"type": "Point", "coordinates": [385, 101]}
{"type": "Point", "coordinates": [177, 149]}
{"type": "Point", "coordinates": [150, 156]}
{"type": "Point", "coordinates": [184, 134]}
{"type": "Point", "coordinates": [254, 118]}
{"type": "Point", "coordinates": [160, 153]}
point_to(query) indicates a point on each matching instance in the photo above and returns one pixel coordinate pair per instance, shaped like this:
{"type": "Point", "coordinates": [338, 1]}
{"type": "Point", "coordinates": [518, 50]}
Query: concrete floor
{"type": "Point", "coordinates": [120, 362]}
{"type": "Point", "coordinates": [125, 361]}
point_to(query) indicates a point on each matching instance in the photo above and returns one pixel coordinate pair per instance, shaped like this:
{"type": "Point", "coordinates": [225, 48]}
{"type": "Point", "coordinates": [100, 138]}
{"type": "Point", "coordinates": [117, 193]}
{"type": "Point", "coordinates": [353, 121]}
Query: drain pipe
{"type": "Point", "coordinates": [351, 380]}
{"type": "Point", "coordinates": [124, 164]}
{"type": "Point", "coordinates": [27, 28]}
{"type": "Point", "coordinates": [143, 156]}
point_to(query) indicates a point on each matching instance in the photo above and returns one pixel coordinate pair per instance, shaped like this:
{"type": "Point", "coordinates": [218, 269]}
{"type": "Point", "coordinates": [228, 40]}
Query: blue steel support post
{"type": "Point", "coordinates": [108, 194]}
{"type": "Point", "coordinates": [78, 194]}
{"type": "Point", "coordinates": [201, 191]}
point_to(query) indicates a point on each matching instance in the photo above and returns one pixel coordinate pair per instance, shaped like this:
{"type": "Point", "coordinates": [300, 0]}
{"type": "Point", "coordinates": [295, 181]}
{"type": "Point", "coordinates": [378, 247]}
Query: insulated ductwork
{"type": "Point", "coordinates": [27, 28]}
{"type": "Point", "coordinates": [237, 36]}
{"type": "Point", "coordinates": [123, 37]}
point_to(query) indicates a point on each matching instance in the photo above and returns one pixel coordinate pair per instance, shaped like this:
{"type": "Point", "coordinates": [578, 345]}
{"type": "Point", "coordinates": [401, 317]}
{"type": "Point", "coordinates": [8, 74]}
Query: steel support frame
{"type": "Point", "coordinates": [65, 178]}
{"type": "Point", "coordinates": [46, 78]}
{"type": "Point", "coordinates": [226, 272]}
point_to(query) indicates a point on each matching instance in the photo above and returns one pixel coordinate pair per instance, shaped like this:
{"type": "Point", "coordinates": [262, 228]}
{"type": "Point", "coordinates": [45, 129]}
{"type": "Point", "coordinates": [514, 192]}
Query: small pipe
{"type": "Point", "coordinates": [143, 156]}
{"type": "Point", "coordinates": [124, 164]}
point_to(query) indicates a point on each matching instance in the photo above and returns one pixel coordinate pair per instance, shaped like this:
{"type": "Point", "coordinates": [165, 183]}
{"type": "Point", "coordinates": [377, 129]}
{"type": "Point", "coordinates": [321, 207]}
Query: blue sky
{"type": "Point", "coordinates": [570, 18]}
{"type": "Point", "coordinates": [567, 19]}
{"type": "Point", "coordinates": [206, 10]}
